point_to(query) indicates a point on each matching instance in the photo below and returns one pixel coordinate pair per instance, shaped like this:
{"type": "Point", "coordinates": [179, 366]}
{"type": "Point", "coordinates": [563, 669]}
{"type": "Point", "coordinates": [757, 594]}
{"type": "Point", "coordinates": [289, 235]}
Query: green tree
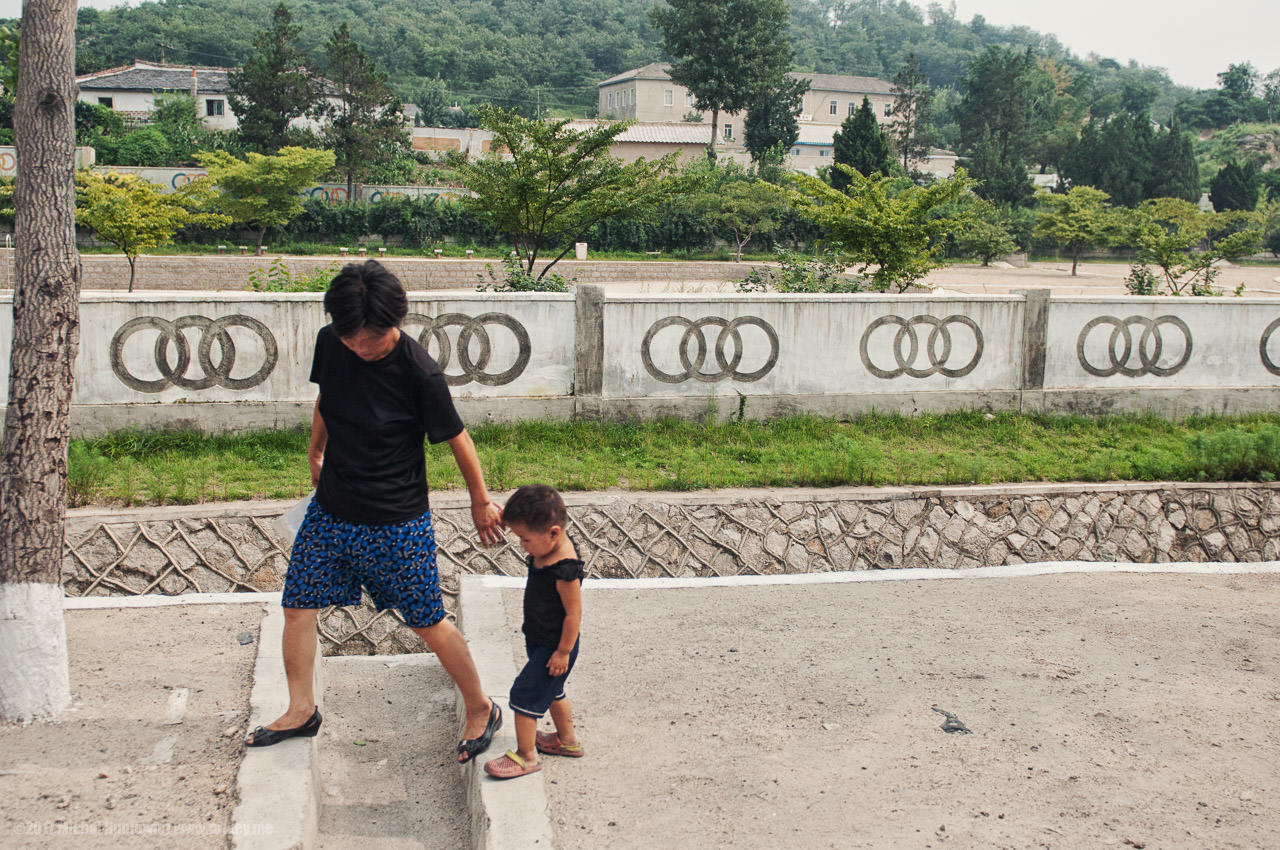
{"type": "Point", "coordinates": [134, 215]}
{"type": "Point", "coordinates": [1186, 244]}
{"type": "Point", "coordinates": [263, 191]}
{"type": "Point", "coordinates": [9, 59]}
{"type": "Point", "coordinates": [885, 222]}
{"type": "Point", "coordinates": [546, 186]}
{"type": "Point", "coordinates": [987, 235]}
{"type": "Point", "coordinates": [1078, 220]}
{"type": "Point", "coordinates": [728, 53]}
{"type": "Point", "coordinates": [911, 127]}
{"type": "Point", "coordinates": [1175, 172]}
{"type": "Point", "coordinates": [365, 128]}
{"type": "Point", "coordinates": [272, 87]}
{"type": "Point", "coordinates": [1234, 187]}
{"type": "Point", "coordinates": [861, 145]}
{"type": "Point", "coordinates": [771, 119]}
{"type": "Point", "coordinates": [146, 147]}
{"type": "Point", "coordinates": [997, 122]}
{"type": "Point", "coordinates": [176, 119]}
{"type": "Point", "coordinates": [738, 205]}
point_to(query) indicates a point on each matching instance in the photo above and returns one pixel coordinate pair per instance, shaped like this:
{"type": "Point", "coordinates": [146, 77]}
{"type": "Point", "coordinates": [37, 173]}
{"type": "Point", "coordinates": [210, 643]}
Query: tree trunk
{"type": "Point", "coordinates": [711, 148]}
{"type": "Point", "coordinates": [46, 334]}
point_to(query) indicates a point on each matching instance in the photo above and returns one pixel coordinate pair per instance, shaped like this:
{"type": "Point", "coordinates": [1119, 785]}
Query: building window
{"type": "Point", "coordinates": [822, 152]}
{"type": "Point", "coordinates": [688, 99]}
{"type": "Point", "coordinates": [609, 100]}
{"type": "Point", "coordinates": [853, 107]}
{"type": "Point", "coordinates": [668, 97]}
{"type": "Point", "coordinates": [888, 109]}
{"type": "Point", "coordinates": [834, 107]}
{"type": "Point", "coordinates": [795, 151]}
{"type": "Point", "coordinates": [105, 101]}
{"type": "Point", "coordinates": [213, 108]}
{"type": "Point", "coordinates": [728, 132]}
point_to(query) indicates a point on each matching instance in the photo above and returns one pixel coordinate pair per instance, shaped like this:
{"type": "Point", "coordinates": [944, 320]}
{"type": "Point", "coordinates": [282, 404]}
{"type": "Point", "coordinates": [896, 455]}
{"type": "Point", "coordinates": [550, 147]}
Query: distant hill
{"type": "Point", "coordinates": [551, 53]}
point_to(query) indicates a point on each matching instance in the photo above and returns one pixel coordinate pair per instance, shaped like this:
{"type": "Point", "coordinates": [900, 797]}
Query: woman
{"type": "Point", "coordinates": [370, 525]}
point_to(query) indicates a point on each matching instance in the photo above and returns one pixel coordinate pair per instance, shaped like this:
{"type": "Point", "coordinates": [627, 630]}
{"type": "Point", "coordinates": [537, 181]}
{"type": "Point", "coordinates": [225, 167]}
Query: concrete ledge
{"type": "Point", "coordinates": [278, 787]}
{"type": "Point", "coordinates": [504, 815]}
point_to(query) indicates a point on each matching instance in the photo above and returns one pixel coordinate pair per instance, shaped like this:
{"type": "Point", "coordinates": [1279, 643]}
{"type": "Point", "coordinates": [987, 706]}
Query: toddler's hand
{"type": "Point", "coordinates": [559, 663]}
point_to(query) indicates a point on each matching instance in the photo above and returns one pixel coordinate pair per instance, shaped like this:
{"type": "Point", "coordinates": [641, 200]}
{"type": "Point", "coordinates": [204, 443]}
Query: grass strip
{"type": "Point", "coordinates": [168, 468]}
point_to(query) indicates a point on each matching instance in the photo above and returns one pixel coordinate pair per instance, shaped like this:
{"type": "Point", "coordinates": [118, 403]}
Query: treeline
{"type": "Point", "coordinates": [552, 53]}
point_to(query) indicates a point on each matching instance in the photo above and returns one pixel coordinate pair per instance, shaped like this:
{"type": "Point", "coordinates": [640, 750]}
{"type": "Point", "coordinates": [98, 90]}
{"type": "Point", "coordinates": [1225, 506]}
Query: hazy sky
{"type": "Point", "coordinates": [1192, 41]}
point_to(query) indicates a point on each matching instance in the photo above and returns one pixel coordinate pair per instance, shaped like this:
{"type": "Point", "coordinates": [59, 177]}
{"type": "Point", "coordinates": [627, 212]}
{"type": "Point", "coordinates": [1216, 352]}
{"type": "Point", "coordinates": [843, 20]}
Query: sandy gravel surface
{"type": "Point", "coordinates": [1100, 279]}
{"type": "Point", "coordinates": [388, 776]}
{"type": "Point", "coordinates": [1104, 711]}
{"type": "Point", "coordinates": [116, 770]}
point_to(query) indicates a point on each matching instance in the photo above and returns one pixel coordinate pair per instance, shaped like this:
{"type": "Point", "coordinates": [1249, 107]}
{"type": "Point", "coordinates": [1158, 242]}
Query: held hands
{"type": "Point", "coordinates": [488, 519]}
{"type": "Point", "coordinates": [559, 663]}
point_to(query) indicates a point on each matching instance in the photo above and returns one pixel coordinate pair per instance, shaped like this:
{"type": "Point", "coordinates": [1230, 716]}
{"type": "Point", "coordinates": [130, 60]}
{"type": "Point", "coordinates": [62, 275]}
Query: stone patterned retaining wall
{"type": "Point", "coordinates": [230, 272]}
{"type": "Point", "coordinates": [759, 532]}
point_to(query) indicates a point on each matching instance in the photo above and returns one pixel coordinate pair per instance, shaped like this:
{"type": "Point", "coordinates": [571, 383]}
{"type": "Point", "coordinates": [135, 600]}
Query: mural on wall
{"type": "Point", "coordinates": [938, 347]}
{"type": "Point", "coordinates": [692, 361]}
{"type": "Point", "coordinates": [1264, 346]}
{"type": "Point", "coordinates": [212, 372]}
{"type": "Point", "coordinates": [1120, 349]}
{"type": "Point", "coordinates": [471, 330]}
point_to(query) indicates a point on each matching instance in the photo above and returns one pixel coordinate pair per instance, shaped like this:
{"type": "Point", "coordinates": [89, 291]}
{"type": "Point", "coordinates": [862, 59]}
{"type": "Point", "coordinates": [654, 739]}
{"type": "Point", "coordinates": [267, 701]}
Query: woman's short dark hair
{"type": "Point", "coordinates": [365, 295]}
{"type": "Point", "coordinates": [537, 507]}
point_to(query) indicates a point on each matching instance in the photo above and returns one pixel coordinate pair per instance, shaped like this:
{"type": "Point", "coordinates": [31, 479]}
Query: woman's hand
{"type": "Point", "coordinates": [488, 519]}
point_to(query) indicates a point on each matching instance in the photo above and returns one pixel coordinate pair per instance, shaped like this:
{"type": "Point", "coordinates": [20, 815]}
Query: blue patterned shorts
{"type": "Point", "coordinates": [396, 564]}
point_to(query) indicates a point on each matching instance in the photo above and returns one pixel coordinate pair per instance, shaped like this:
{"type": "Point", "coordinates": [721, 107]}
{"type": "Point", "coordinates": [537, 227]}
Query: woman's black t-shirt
{"type": "Point", "coordinates": [543, 607]}
{"type": "Point", "coordinates": [377, 414]}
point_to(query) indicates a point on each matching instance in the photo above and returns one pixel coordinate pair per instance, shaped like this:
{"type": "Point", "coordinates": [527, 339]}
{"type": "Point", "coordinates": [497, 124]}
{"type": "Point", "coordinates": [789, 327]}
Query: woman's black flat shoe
{"type": "Point", "coordinates": [469, 748]}
{"type": "Point", "coordinates": [266, 737]}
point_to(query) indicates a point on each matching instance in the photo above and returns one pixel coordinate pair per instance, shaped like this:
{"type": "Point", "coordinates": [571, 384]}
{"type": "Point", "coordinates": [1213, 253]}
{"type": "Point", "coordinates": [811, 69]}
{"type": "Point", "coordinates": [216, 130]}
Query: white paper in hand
{"type": "Point", "coordinates": [287, 524]}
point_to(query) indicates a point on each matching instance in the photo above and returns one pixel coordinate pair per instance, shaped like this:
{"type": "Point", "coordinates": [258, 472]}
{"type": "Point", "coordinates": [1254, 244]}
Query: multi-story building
{"type": "Point", "coordinates": [648, 95]}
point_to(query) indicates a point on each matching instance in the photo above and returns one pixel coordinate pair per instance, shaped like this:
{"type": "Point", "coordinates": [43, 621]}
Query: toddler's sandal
{"type": "Point", "coordinates": [549, 744]}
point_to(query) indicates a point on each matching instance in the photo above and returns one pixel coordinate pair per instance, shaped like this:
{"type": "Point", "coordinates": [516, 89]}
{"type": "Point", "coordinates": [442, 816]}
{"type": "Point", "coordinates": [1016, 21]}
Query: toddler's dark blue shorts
{"type": "Point", "coordinates": [535, 688]}
{"type": "Point", "coordinates": [396, 564]}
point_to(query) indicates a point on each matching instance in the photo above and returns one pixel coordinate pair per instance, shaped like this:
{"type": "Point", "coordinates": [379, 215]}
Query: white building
{"type": "Point", "coordinates": [132, 91]}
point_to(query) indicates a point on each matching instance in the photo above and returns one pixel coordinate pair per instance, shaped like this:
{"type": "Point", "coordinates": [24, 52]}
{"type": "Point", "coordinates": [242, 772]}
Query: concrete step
{"type": "Point", "coordinates": [387, 772]}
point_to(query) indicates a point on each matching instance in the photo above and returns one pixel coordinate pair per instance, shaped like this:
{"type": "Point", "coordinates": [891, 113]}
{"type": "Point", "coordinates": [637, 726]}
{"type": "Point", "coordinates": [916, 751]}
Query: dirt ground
{"type": "Point", "coordinates": [146, 756]}
{"type": "Point", "coordinates": [1000, 279]}
{"type": "Point", "coordinates": [1103, 710]}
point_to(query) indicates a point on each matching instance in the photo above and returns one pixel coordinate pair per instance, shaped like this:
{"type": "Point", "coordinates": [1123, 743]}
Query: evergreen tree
{"type": "Point", "coordinates": [912, 112]}
{"type": "Point", "coordinates": [1235, 187]}
{"type": "Point", "coordinates": [996, 122]}
{"type": "Point", "coordinates": [861, 145]}
{"type": "Point", "coordinates": [771, 121]}
{"type": "Point", "coordinates": [1175, 172]}
{"type": "Point", "coordinates": [272, 87]}
{"type": "Point", "coordinates": [365, 128]}
{"type": "Point", "coordinates": [728, 53]}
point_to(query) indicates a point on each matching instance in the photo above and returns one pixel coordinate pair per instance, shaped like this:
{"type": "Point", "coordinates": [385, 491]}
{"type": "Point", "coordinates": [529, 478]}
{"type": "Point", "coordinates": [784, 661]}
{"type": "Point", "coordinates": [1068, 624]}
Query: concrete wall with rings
{"type": "Point", "coordinates": [237, 361]}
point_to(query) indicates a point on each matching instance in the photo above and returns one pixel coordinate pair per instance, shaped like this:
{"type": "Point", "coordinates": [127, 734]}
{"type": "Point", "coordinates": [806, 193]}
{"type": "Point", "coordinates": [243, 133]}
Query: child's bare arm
{"type": "Point", "coordinates": [571, 595]}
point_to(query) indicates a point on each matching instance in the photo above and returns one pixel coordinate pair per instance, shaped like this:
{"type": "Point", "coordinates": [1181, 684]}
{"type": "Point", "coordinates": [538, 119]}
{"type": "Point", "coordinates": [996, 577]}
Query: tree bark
{"type": "Point", "coordinates": [46, 335]}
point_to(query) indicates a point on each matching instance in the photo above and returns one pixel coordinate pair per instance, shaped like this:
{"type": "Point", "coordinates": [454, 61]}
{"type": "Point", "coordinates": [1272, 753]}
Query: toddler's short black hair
{"type": "Point", "coordinates": [537, 507]}
{"type": "Point", "coordinates": [365, 295]}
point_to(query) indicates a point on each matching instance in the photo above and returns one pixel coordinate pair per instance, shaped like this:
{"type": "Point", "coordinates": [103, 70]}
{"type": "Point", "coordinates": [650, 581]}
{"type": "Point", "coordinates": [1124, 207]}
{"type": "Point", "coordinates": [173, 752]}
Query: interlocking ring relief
{"type": "Point", "coordinates": [1149, 348]}
{"type": "Point", "coordinates": [1264, 344]}
{"type": "Point", "coordinates": [171, 333]}
{"type": "Point", "coordinates": [937, 346]}
{"type": "Point", "coordinates": [471, 330]}
{"type": "Point", "coordinates": [691, 362]}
